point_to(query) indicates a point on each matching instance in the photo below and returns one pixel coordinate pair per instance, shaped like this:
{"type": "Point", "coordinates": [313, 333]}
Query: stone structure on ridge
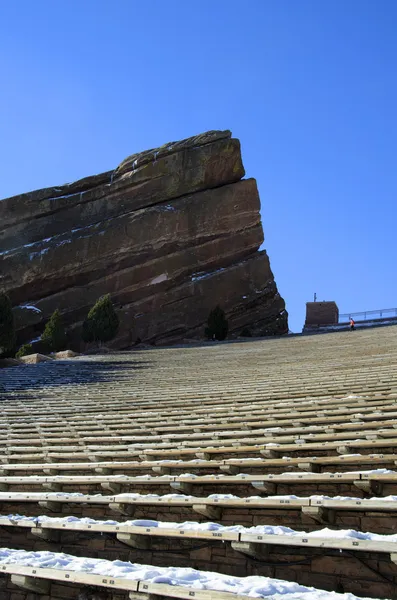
{"type": "Point", "coordinates": [170, 233]}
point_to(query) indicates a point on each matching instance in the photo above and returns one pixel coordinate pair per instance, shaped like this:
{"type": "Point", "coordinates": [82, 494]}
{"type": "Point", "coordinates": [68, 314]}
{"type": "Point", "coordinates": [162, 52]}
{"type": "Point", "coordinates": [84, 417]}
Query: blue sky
{"type": "Point", "coordinates": [308, 86]}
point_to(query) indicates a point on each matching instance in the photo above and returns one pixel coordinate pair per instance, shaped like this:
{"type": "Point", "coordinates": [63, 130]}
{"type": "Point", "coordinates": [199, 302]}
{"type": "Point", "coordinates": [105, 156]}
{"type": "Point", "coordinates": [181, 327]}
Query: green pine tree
{"type": "Point", "coordinates": [24, 350]}
{"type": "Point", "coordinates": [102, 322]}
{"type": "Point", "coordinates": [54, 335]}
{"type": "Point", "coordinates": [7, 327]}
{"type": "Point", "coordinates": [217, 325]}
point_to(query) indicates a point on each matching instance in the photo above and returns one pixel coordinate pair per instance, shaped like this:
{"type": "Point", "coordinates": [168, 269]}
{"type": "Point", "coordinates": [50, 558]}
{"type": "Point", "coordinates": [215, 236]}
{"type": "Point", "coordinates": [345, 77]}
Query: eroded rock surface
{"type": "Point", "coordinates": [169, 234]}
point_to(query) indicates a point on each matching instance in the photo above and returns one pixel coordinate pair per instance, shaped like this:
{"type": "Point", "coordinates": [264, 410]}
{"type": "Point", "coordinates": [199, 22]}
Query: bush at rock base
{"type": "Point", "coordinates": [217, 325]}
{"type": "Point", "coordinates": [7, 328]}
{"type": "Point", "coordinates": [102, 322]}
{"type": "Point", "coordinates": [24, 350]}
{"type": "Point", "coordinates": [54, 336]}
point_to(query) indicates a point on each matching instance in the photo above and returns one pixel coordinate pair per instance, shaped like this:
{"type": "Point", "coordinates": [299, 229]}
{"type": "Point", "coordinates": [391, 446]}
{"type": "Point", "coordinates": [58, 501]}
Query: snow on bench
{"type": "Point", "coordinates": [311, 463]}
{"type": "Point", "coordinates": [178, 481]}
{"type": "Point", "coordinates": [110, 446]}
{"type": "Point", "coordinates": [107, 466]}
{"type": "Point", "coordinates": [387, 503]}
{"type": "Point", "coordinates": [271, 449]}
{"type": "Point", "coordinates": [28, 568]}
{"type": "Point", "coordinates": [132, 531]}
{"type": "Point", "coordinates": [231, 465]}
{"type": "Point", "coordinates": [368, 481]}
{"type": "Point", "coordinates": [124, 503]}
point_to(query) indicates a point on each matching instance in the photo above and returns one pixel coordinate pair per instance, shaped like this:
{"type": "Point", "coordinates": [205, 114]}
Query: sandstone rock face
{"type": "Point", "coordinates": [170, 234]}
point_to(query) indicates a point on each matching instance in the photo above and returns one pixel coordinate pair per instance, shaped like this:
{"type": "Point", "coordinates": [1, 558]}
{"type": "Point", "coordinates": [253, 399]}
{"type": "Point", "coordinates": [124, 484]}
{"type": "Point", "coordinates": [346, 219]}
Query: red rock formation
{"type": "Point", "coordinates": [169, 234]}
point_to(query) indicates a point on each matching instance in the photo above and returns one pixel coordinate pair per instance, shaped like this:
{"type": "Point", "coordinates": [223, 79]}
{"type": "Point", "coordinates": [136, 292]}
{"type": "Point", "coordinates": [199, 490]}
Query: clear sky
{"type": "Point", "coordinates": [309, 87]}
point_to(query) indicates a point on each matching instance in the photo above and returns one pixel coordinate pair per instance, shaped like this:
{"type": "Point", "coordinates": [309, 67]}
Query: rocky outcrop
{"type": "Point", "coordinates": [169, 234]}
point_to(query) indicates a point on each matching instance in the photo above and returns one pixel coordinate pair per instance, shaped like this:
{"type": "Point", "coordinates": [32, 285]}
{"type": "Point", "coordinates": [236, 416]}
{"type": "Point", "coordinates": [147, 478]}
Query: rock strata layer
{"type": "Point", "coordinates": [170, 233]}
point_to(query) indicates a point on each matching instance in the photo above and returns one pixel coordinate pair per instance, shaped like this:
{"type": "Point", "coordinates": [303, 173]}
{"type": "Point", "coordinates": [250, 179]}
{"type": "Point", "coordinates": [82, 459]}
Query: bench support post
{"type": "Point", "coordinates": [203, 455]}
{"type": "Point", "coordinates": [140, 542]}
{"type": "Point", "coordinates": [32, 584]}
{"type": "Point", "coordinates": [309, 466]}
{"type": "Point", "coordinates": [144, 596]}
{"type": "Point", "coordinates": [268, 453]}
{"type": "Point", "coordinates": [51, 506]}
{"type": "Point", "coordinates": [265, 486]}
{"type": "Point", "coordinates": [320, 514]}
{"type": "Point", "coordinates": [111, 486]}
{"type": "Point", "coordinates": [122, 508]}
{"type": "Point", "coordinates": [182, 486]}
{"type": "Point", "coordinates": [103, 471]}
{"type": "Point", "coordinates": [161, 470]}
{"type": "Point", "coordinates": [370, 487]}
{"type": "Point", "coordinates": [251, 549]}
{"type": "Point", "coordinates": [230, 469]}
{"type": "Point", "coordinates": [52, 487]}
{"type": "Point", "coordinates": [211, 512]}
{"type": "Point", "coordinates": [49, 535]}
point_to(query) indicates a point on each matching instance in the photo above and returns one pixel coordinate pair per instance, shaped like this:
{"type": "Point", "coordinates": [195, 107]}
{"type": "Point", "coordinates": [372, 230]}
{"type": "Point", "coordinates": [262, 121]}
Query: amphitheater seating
{"type": "Point", "coordinates": [176, 584]}
{"type": "Point", "coordinates": [297, 432]}
{"type": "Point", "coordinates": [186, 483]}
{"type": "Point", "coordinates": [140, 536]}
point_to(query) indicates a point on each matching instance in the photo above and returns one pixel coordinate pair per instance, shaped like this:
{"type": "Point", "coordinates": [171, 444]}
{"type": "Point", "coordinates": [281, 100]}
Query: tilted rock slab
{"type": "Point", "coordinates": [170, 233]}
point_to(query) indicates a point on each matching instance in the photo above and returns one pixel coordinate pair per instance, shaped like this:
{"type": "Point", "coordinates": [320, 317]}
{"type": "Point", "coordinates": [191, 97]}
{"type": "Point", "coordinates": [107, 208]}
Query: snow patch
{"type": "Point", "coordinates": [63, 243]}
{"type": "Point", "coordinates": [30, 307]}
{"type": "Point", "coordinates": [203, 275]}
{"type": "Point", "coordinates": [159, 279]}
{"type": "Point", "coordinates": [33, 255]}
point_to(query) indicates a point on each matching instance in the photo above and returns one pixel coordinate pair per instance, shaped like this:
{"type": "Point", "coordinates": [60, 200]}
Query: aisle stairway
{"type": "Point", "coordinates": [269, 458]}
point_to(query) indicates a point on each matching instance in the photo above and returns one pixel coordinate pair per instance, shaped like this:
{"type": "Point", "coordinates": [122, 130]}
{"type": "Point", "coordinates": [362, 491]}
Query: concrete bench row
{"type": "Point", "coordinates": [230, 466]}
{"type": "Point", "coordinates": [269, 450]}
{"type": "Point", "coordinates": [370, 429]}
{"type": "Point", "coordinates": [141, 394]}
{"type": "Point", "coordinates": [252, 414]}
{"type": "Point", "coordinates": [125, 503]}
{"type": "Point", "coordinates": [295, 381]}
{"type": "Point", "coordinates": [219, 406]}
{"type": "Point", "coordinates": [116, 425]}
{"type": "Point", "coordinates": [248, 436]}
{"type": "Point", "coordinates": [29, 571]}
{"type": "Point", "coordinates": [138, 535]}
{"type": "Point", "coordinates": [381, 408]}
{"type": "Point", "coordinates": [369, 482]}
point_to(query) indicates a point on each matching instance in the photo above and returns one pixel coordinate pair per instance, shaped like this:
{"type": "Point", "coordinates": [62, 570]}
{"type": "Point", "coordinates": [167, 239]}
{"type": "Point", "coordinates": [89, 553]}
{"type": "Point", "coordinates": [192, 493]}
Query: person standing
{"type": "Point", "coordinates": [352, 324]}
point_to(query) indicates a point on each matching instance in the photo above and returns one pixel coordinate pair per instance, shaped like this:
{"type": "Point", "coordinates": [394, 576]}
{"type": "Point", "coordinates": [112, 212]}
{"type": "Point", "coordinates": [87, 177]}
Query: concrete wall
{"type": "Point", "coordinates": [321, 313]}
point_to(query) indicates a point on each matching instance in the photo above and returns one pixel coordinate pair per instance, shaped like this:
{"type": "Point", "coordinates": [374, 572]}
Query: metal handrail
{"type": "Point", "coordinates": [382, 313]}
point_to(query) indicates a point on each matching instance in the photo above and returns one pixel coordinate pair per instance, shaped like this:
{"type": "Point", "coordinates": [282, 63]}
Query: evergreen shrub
{"type": "Point", "coordinates": [7, 327]}
{"type": "Point", "coordinates": [102, 322]}
{"type": "Point", "coordinates": [54, 336]}
{"type": "Point", "coordinates": [217, 325]}
{"type": "Point", "coordinates": [24, 350]}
